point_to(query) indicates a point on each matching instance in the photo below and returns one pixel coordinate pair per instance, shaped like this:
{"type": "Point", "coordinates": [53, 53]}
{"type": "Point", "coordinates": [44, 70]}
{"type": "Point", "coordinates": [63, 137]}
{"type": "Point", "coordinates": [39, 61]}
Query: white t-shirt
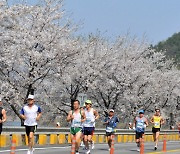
{"type": "Point", "coordinates": [31, 114]}
{"type": "Point", "coordinates": [90, 118]}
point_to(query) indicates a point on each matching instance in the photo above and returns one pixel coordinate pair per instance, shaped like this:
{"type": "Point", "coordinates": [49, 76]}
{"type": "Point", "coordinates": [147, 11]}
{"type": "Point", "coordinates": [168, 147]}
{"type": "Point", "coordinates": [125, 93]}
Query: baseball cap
{"type": "Point", "coordinates": [111, 110]}
{"type": "Point", "coordinates": [88, 101]}
{"type": "Point", "coordinates": [141, 111]}
{"type": "Point", "coordinates": [30, 97]}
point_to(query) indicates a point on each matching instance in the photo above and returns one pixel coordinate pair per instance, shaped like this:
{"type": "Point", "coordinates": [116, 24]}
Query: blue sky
{"type": "Point", "coordinates": [156, 19]}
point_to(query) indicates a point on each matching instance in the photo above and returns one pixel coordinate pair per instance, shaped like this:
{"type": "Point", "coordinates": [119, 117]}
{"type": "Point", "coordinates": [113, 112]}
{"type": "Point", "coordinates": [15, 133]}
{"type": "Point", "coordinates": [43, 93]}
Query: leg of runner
{"type": "Point", "coordinates": [156, 140]}
{"type": "Point", "coordinates": [86, 141]}
{"type": "Point", "coordinates": [91, 141]}
{"type": "Point", "coordinates": [109, 138]}
{"type": "Point", "coordinates": [30, 142]}
{"type": "Point", "coordinates": [90, 138]}
{"type": "Point", "coordinates": [138, 141]}
{"type": "Point", "coordinates": [78, 140]}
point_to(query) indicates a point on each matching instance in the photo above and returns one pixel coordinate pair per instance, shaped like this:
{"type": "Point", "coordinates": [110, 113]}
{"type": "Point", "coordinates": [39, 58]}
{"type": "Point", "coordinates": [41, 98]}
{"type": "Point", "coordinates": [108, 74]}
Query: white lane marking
{"type": "Point", "coordinates": [36, 149]}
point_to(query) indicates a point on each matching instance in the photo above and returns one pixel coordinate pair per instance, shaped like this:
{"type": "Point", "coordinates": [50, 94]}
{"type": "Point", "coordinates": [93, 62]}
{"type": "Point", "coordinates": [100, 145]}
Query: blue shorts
{"type": "Point", "coordinates": [88, 130]}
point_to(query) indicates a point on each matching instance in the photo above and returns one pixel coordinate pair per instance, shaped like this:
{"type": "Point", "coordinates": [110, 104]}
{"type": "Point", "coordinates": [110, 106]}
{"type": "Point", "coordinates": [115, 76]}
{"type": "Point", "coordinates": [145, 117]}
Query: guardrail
{"type": "Point", "coordinates": [53, 135]}
{"type": "Point", "coordinates": [65, 130]}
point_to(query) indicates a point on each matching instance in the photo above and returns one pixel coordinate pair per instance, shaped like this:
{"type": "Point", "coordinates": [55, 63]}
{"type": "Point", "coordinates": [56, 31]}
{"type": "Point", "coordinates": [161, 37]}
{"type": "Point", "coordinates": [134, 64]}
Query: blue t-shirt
{"type": "Point", "coordinates": [140, 124]}
{"type": "Point", "coordinates": [112, 123]}
{"type": "Point", "coordinates": [31, 114]}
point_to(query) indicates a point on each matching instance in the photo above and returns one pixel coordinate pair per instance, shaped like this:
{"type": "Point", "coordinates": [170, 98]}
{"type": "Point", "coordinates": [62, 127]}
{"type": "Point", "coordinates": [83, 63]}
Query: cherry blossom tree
{"type": "Point", "coordinates": [35, 45]}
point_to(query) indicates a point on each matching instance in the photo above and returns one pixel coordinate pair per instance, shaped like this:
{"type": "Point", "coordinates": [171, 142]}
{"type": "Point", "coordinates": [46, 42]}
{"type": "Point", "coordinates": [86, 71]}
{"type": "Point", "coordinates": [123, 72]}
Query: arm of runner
{"type": "Point", "coordinates": [152, 120]}
{"type": "Point", "coordinates": [106, 121]}
{"type": "Point", "coordinates": [162, 121]}
{"type": "Point", "coordinates": [4, 116]}
{"type": "Point", "coordinates": [134, 124]}
{"type": "Point", "coordinates": [117, 119]}
{"type": "Point", "coordinates": [22, 114]}
{"type": "Point", "coordinates": [70, 116]}
{"type": "Point", "coordinates": [146, 123]}
{"type": "Point", "coordinates": [83, 116]}
{"type": "Point", "coordinates": [96, 114]}
{"type": "Point", "coordinates": [39, 114]}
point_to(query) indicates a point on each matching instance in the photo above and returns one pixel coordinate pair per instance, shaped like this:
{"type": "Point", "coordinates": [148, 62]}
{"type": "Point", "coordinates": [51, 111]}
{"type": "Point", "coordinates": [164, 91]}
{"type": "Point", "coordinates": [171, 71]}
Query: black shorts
{"type": "Point", "coordinates": [110, 133]}
{"type": "Point", "coordinates": [154, 130]}
{"type": "Point", "coordinates": [0, 129]}
{"type": "Point", "coordinates": [88, 130]}
{"type": "Point", "coordinates": [139, 135]}
{"type": "Point", "coordinates": [30, 129]}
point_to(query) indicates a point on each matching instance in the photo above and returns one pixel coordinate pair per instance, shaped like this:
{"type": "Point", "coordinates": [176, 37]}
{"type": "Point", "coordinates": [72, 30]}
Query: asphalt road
{"type": "Point", "coordinates": [123, 148]}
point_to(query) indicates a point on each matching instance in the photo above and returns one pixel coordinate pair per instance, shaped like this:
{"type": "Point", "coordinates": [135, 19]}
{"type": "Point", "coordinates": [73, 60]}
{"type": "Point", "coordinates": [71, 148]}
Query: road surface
{"type": "Point", "coordinates": [122, 148]}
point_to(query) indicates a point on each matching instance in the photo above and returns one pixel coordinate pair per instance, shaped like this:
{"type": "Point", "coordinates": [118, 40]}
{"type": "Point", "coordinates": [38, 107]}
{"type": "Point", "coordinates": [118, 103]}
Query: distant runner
{"type": "Point", "coordinates": [3, 117]}
{"type": "Point", "coordinates": [111, 123]}
{"type": "Point", "coordinates": [157, 121]}
{"type": "Point", "coordinates": [178, 126]}
{"type": "Point", "coordinates": [77, 117]}
{"type": "Point", "coordinates": [89, 124]}
{"type": "Point", "coordinates": [31, 113]}
{"type": "Point", "coordinates": [139, 125]}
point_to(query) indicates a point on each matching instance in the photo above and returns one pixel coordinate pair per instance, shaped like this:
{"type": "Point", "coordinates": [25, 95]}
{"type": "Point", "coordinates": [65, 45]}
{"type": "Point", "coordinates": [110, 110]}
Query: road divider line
{"type": "Point", "coordinates": [161, 152]}
{"type": "Point", "coordinates": [36, 149]}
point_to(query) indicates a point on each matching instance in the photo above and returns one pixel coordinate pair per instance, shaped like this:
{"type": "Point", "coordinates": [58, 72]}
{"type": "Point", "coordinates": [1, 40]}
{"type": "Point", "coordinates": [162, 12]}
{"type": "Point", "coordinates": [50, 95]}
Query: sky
{"type": "Point", "coordinates": [155, 19]}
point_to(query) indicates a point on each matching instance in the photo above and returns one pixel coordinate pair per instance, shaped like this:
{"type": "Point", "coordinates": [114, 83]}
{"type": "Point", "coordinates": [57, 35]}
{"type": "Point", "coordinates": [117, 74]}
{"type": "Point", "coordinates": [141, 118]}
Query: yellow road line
{"type": "Point", "coordinates": [164, 152]}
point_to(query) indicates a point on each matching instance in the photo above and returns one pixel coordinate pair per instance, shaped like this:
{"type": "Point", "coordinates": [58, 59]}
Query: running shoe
{"type": "Point", "coordinates": [88, 151]}
{"type": "Point", "coordinates": [28, 152]}
{"type": "Point", "coordinates": [32, 151]}
{"type": "Point", "coordinates": [92, 145]}
{"type": "Point", "coordinates": [155, 148]}
{"type": "Point", "coordinates": [77, 152]}
{"type": "Point", "coordinates": [82, 144]}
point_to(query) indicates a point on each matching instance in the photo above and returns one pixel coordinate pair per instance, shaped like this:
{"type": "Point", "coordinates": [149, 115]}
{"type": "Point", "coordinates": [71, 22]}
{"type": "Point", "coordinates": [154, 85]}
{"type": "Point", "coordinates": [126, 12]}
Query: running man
{"type": "Point", "coordinates": [77, 117]}
{"type": "Point", "coordinates": [89, 124]}
{"type": "Point", "coordinates": [2, 116]}
{"type": "Point", "coordinates": [139, 125]}
{"type": "Point", "coordinates": [157, 121]}
{"type": "Point", "coordinates": [178, 126]}
{"type": "Point", "coordinates": [111, 123]}
{"type": "Point", "coordinates": [31, 113]}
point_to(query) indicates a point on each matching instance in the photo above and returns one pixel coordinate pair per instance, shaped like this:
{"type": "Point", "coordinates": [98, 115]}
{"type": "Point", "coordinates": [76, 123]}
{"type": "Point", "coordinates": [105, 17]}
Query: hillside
{"type": "Point", "coordinates": [171, 47]}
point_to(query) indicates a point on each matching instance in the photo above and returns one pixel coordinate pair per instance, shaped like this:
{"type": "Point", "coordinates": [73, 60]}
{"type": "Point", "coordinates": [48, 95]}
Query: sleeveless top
{"type": "Point", "coordinates": [157, 121]}
{"type": "Point", "coordinates": [89, 117]}
{"type": "Point", "coordinates": [140, 124]}
{"type": "Point", "coordinates": [1, 115]}
{"type": "Point", "coordinates": [76, 122]}
{"type": "Point", "coordinates": [110, 127]}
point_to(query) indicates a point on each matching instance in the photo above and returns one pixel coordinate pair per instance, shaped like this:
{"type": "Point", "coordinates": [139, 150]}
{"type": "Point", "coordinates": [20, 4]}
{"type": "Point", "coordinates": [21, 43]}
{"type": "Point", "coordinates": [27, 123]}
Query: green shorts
{"type": "Point", "coordinates": [75, 130]}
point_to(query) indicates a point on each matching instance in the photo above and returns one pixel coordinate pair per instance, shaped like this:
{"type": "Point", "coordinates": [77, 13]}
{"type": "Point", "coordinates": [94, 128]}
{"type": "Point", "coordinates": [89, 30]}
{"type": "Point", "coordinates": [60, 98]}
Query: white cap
{"type": "Point", "coordinates": [111, 110]}
{"type": "Point", "coordinates": [30, 97]}
{"type": "Point", "coordinates": [58, 123]}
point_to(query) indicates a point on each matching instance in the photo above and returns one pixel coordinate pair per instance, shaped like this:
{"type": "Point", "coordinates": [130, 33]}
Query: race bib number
{"type": "Point", "coordinates": [77, 123]}
{"type": "Point", "coordinates": [88, 120]}
{"type": "Point", "coordinates": [140, 125]}
{"type": "Point", "coordinates": [109, 129]}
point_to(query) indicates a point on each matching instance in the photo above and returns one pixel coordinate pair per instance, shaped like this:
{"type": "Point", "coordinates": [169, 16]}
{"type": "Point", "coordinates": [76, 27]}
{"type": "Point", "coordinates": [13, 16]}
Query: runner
{"type": "Point", "coordinates": [89, 124]}
{"type": "Point", "coordinates": [110, 122]}
{"type": "Point", "coordinates": [178, 126]}
{"type": "Point", "coordinates": [139, 125]}
{"type": "Point", "coordinates": [157, 121]}
{"type": "Point", "coordinates": [82, 136]}
{"type": "Point", "coordinates": [77, 117]}
{"type": "Point", "coordinates": [31, 113]}
{"type": "Point", "coordinates": [2, 116]}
